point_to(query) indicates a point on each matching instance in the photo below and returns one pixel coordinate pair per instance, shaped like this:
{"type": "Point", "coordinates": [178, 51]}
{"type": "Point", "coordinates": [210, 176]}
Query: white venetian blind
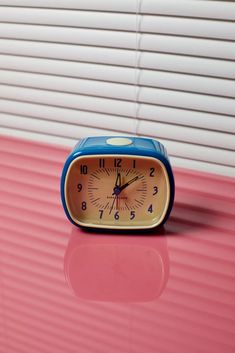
{"type": "Point", "coordinates": [156, 68]}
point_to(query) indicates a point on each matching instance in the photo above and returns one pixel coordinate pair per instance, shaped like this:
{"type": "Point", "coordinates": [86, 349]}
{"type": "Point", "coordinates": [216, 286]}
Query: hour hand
{"type": "Point", "coordinates": [116, 189]}
{"type": "Point", "coordinates": [118, 180]}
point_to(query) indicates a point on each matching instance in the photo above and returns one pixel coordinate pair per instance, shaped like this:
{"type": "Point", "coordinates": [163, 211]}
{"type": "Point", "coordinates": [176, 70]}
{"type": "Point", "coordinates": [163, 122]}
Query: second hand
{"type": "Point", "coordinates": [111, 208]}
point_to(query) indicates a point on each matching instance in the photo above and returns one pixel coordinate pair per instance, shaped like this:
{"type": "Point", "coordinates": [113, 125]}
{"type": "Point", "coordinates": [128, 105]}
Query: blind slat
{"type": "Point", "coordinates": [72, 116]}
{"type": "Point", "coordinates": [124, 92]}
{"type": "Point", "coordinates": [36, 136]}
{"type": "Point", "coordinates": [187, 27]}
{"type": "Point", "coordinates": [52, 127]}
{"type": "Point", "coordinates": [91, 37]}
{"type": "Point", "coordinates": [161, 130]}
{"type": "Point", "coordinates": [119, 39]}
{"type": "Point", "coordinates": [188, 46]}
{"type": "Point", "coordinates": [69, 68]}
{"type": "Point", "coordinates": [187, 100]}
{"type": "Point", "coordinates": [120, 74]}
{"type": "Point", "coordinates": [148, 112]}
{"type": "Point", "coordinates": [187, 134]}
{"type": "Point", "coordinates": [177, 161]}
{"type": "Point", "coordinates": [177, 148]}
{"type": "Point", "coordinates": [184, 82]}
{"type": "Point", "coordinates": [187, 117]}
{"type": "Point", "coordinates": [204, 9]}
{"type": "Point", "coordinates": [86, 19]}
{"type": "Point", "coordinates": [120, 21]}
{"type": "Point", "coordinates": [200, 153]}
{"type": "Point", "coordinates": [81, 102]}
{"type": "Point", "coordinates": [207, 8]}
{"type": "Point", "coordinates": [69, 84]}
{"type": "Point", "coordinates": [101, 5]}
{"type": "Point", "coordinates": [127, 58]}
{"type": "Point", "coordinates": [69, 52]}
{"type": "Point", "coordinates": [75, 101]}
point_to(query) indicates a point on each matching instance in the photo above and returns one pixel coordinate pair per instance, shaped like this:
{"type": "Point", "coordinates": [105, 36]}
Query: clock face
{"type": "Point", "coordinates": [109, 191]}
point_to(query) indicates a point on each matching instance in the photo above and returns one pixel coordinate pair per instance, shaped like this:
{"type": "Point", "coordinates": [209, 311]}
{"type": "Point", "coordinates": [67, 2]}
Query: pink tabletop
{"type": "Point", "coordinates": [63, 290]}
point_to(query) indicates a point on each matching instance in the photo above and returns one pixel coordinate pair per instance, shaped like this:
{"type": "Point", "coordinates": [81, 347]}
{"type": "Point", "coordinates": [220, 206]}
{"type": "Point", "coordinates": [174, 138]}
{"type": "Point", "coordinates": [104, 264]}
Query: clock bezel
{"type": "Point", "coordinates": [113, 226]}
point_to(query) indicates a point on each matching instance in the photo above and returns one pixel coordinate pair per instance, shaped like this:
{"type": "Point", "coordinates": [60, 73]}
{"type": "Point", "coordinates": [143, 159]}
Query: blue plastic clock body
{"type": "Point", "coordinates": [139, 147]}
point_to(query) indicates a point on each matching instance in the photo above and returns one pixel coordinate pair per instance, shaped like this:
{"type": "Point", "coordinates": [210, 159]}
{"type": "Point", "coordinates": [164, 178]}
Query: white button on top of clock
{"type": "Point", "coordinates": [119, 141]}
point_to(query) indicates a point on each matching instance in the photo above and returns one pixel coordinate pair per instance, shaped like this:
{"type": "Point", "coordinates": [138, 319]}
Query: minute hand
{"type": "Point", "coordinates": [128, 183]}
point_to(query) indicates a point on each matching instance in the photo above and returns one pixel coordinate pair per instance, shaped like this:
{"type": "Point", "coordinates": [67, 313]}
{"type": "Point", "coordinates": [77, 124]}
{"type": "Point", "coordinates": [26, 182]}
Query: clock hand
{"type": "Point", "coordinates": [118, 180]}
{"type": "Point", "coordinates": [128, 183]}
{"type": "Point", "coordinates": [111, 208]}
{"type": "Point", "coordinates": [115, 191]}
{"type": "Point", "coordinates": [117, 184]}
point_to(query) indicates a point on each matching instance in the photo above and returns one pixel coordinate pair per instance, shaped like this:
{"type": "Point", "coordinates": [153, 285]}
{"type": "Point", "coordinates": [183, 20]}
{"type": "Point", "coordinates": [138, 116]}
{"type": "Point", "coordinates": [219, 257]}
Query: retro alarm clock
{"type": "Point", "coordinates": [117, 183]}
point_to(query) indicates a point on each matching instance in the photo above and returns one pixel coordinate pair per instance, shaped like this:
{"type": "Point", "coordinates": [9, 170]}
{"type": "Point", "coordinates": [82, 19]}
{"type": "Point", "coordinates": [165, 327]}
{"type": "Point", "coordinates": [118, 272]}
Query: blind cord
{"type": "Point", "coordinates": [137, 64]}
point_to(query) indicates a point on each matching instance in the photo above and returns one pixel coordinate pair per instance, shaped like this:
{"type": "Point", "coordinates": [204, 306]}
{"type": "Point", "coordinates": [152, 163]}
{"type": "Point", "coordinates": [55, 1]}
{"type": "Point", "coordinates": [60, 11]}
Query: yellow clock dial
{"type": "Point", "coordinates": [117, 192]}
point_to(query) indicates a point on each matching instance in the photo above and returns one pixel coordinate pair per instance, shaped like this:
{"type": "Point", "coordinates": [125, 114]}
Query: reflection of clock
{"type": "Point", "coordinates": [118, 183]}
{"type": "Point", "coordinates": [121, 269]}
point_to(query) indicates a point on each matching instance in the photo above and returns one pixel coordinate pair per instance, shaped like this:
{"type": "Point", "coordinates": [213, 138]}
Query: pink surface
{"type": "Point", "coordinates": [63, 290]}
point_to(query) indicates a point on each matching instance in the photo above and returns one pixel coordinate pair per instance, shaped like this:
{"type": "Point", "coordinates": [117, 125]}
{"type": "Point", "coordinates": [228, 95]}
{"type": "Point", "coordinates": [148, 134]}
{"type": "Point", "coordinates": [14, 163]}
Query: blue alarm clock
{"type": "Point", "coordinates": [118, 183]}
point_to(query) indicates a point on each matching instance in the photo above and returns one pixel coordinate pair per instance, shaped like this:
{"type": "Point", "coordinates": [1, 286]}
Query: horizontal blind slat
{"type": "Point", "coordinates": [66, 115]}
{"type": "Point", "coordinates": [187, 100]}
{"type": "Point", "coordinates": [82, 36]}
{"type": "Point", "coordinates": [125, 40]}
{"type": "Point", "coordinates": [175, 148]}
{"type": "Point", "coordinates": [120, 21]}
{"type": "Point", "coordinates": [52, 127]}
{"type": "Point", "coordinates": [75, 101]}
{"type": "Point", "coordinates": [95, 104]}
{"type": "Point", "coordinates": [187, 27]}
{"type": "Point", "coordinates": [187, 134]}
{"type": "Point", "coordinates": [200, 153]}
{"type": "Point", "coordinates": [53, 17]}
{"type": "Point", "coordinates": [188, 64]}
{"type": "Point", "coordinates": [69, 68]}
{"type": "Point", "coordinates": [167, 131]}
{"type": "Point", "coordinates": [187, 117]}
{"type": "Point", "coordinates": [36, 136]}
{"type": "Point", "coordinates": [148, 112]}
{"type": "Point", "coordinates": [207, 8]}
{"type": "Point", "coordinates": [69, 84]}
{"type": "Point", "coordinates": [101, 5]}
{"type": "Point", "coordinates": [176, 161]}
{"type": "Point", "coordinates": [202, 166]}
{"type": "Point", "coordinates": [185, 82]}
{"type": "Point", "coordinates": [123, 92]}
{"type": "Point", "coordinates": [160, 130]}
{"type": "Point", "coordinates": [188, 46]}
{"type": "Point", "coordinates": [69, 52]}
{"type": "Point", "coordinates": [119, 74]}
{"type": "Point", "coordinates": [110, 56]}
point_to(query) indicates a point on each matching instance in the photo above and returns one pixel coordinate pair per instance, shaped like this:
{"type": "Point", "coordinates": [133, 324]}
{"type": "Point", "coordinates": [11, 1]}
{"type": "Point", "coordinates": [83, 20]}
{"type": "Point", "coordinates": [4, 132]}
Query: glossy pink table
{"type": "Point", "coordinates": [63, 290]}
